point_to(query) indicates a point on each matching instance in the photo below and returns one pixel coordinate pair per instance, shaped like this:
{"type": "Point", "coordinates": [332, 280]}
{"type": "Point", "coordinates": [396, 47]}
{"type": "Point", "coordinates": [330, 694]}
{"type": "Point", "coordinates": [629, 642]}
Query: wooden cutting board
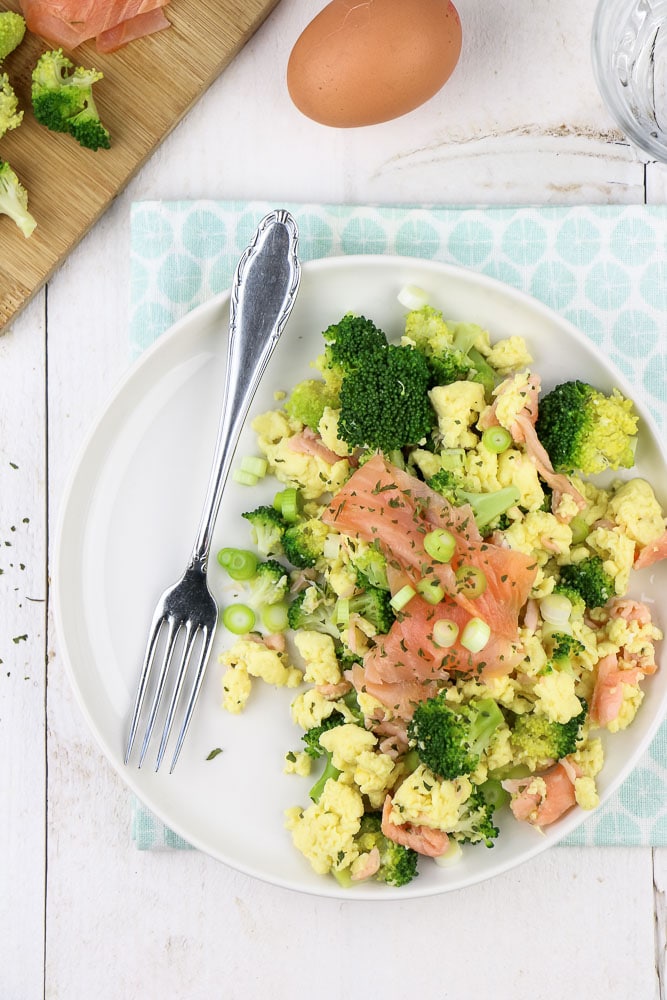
{"type": "Point", "coordinates": [147, 88]}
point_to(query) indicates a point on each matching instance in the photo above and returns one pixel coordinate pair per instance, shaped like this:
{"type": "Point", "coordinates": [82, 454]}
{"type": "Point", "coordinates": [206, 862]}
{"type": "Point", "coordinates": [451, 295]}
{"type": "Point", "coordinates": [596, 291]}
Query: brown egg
{"type": "Point", "coordinates": [360, 63]}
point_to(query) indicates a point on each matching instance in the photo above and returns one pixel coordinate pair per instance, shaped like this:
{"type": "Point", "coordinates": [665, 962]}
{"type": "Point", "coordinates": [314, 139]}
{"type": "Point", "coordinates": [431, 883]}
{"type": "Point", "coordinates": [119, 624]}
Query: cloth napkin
{"type": "Point", "coordinates": [604, 268]}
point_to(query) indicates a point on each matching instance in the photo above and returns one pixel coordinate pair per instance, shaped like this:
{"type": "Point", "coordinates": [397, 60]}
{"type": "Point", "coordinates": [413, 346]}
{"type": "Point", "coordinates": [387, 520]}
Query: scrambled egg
{"type": "Point", "coordinates": [511, 398]}
{"type": "Point", "coordinates": [422, 799]}
{"type": "Point", "coordinates": [319, 654]}
{"type": "Point", "coordinates": [325, 831]}
{"type": "Point", "coordinates": [632, 699]}
{"type": "Point", "coordinates": [635, 509]}
{"type": "Point", "coordinates": [310, 709]}
{"type": "Point", "coordinates": [328, 430]}
{"type": "Point", "coordinates": [508, 355]}
{"type": "Point", "coordinates": [617, 552]}
{"type": "Point", "coordinates": [248, 659]}
{"type": "Point", "coordinates": [458, 407]}
{"type": "Point", "coordinates": [556, 696]}
{"type": "Point", "coordinates": [309, 473]}
{"type": "Point", "coordinates": [585, 793]}
{"type": "Point", "coordinates": [352, 752]}
{"type": "Point", "coordinates": [298, 762]}
{"type": "Point", "coordinates": [540, 534]}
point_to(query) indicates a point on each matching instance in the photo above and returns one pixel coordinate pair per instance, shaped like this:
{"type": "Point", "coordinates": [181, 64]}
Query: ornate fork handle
{"type": "Point", "coordinates": [263, 293]}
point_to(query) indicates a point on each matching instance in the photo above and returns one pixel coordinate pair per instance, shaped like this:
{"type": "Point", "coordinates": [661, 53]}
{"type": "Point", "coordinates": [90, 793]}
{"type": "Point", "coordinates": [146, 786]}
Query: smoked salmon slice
{"type": "Point", "coordinates": [68, 23]}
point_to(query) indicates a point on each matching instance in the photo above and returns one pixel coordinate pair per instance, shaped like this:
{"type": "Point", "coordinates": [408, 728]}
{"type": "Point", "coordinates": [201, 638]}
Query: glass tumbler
{"type": "Point", "coordinates": [629, 54]}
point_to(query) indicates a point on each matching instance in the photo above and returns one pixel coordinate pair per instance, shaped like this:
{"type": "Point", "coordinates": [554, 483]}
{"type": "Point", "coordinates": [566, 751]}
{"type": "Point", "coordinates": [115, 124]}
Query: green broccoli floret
{"type": "Point", "coordinates": [590, 580]}
{"type": "Point", "coordinates": [536, 737]}
{"type": "Point", "coordinates": [267, 529]}
{"type": "Point", "coordinates": [10, 116]}
{"type": "Point", "coordinates": [450, 366]}
{"type": "Point", "coordinates": [62, 99]}
{"type": "Point", "coordinates": [384, 404]}
{"type": "Point", "coordinates": [585, 431]}
{"type": "Point", "coordinates": [309, 400]}
{"type": "Point", "coordinates": [270, 583]}
{"type": "Point", "coordinates": [373, 604]}
{"type": "Point", "coordinates": [398, 864]}
{"type": "Point", "coordinates": [486, 507]}
{"type": "Point", "coordinates": [14, 200]}
{"type": "Point", "coordinates": [317, 615]}
{"type": "Point", "coordinates": [12, 32]}
{"type": "Point", "coordinates": [371, 568]}
{"type": "Point", "coordinates": [303, 542]}
{"type": "Point", "coordinates": [450, 739]}
{"type": "Point", "coordinates": [475, 821]}
{"type": "Point", "coordinates": [564, 647]}
{"type": "Point", "coordinates": [349, 343]}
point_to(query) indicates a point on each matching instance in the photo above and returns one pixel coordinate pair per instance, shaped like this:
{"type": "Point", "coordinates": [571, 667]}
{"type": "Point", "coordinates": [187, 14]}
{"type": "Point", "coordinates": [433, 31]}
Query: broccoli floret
{"type": "Point", "coordinates": [450, 739]}
{"type": "Point", "coordinates": [308, 401]}
{"type": "Point", "coordinates": [62, 99]}
{"type": "Point", "coordinates": [373, 604]}
{"type": "Point", "coordinates": [12, 31]}
{"type": "Point", "coordinates": [486, 507]}
{"type": "Point", "coordinates": [270, 583]}
{"type": "Point", "coordinates": [585, 431]}
{"type": "Point", "coordinates": [10, 116]}
{"type": "Point", "coordinates": [536, 737]}
{"type": "Point", "coordinates": [14, 200]}
{"type": "Point", "coordinates": [475, 821]}
{"type": "Point", "coordinates": [303, 542]}
{"type": "Point", "coordinates": [450, 366]}
{"type": "Point", "coordinates": [371, 568]}
{"type": "Point", "coordinates": [350, 343]}
{"type": "Point", "coordinates": [384, 404]}
{"type": "Point", "coordinates": [317, 615]}
{"type": "Point", "coordinates": [590, 580]}
{"type": "Point", "coordinates": [398, 864]}
{"type": "Point", "coordinates": [267, 529]}
{"type": "Point", "coordinates": [564, 646]}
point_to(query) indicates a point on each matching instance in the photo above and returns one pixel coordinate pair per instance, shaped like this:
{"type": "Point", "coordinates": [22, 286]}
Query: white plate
{"type": "Point", "coordinates": [126, 529]}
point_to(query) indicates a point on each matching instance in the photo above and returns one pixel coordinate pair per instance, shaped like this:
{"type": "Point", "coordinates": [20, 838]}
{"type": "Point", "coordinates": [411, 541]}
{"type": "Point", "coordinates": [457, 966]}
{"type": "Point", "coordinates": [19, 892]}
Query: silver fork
{"type": "Point", "coordinates": [263, 293]}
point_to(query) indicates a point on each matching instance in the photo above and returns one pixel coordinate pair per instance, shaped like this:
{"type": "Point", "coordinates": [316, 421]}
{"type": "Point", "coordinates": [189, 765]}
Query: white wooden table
{"type": "Point", "coordinates": [82, 913]}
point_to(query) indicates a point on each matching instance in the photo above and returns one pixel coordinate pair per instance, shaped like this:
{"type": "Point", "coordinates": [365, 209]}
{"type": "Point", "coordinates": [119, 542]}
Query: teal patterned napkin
{"type": "Point", "coordinates": [603, 268]}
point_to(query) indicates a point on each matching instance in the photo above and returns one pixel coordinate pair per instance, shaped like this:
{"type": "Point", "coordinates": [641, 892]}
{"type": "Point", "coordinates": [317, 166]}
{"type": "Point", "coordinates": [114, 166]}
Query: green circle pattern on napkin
{"type": "Point", "coordinates": [602, 267]}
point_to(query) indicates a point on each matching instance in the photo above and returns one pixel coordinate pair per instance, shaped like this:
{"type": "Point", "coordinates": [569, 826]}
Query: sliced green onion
{"type": "Point", "coordinates": [244, 478]}
{"type": "Point", "coordinates": [402, 597]}
{"type": "Point", "coordinates": [453, 459]}
{"type": "Point", "coordinates": [445, 633]}
{"type": "Point", "coordinates": [475, 635]}
{"type": "Point", "coordinates": [331, 547]}
{"type": "Point", "coordinates": [496, 439]}
{"type": "Point", "coordinates": [342, 611]}
{"type": "Point", "coordinates": [241, 564]}
{"type": "Point", "coordinates": [238, 618]}
{"type": "Point", "coordinates": [254, 465]}
{"type": "Point", "coordinates": [274, 616]}
{"type": "Point", "coordinates": [579, 529]}
{"type": "Point", "coordinates": [430, 590]}
{"type": "Point", "coordinates": [440, 544]}
{"type": "Point", "coordinates": [451, 857]}
{"type": "Point", "coordinates": [471, 580]}
{"type": "Point", "coordinates": [412, 297]}
{"type": "Point", "coordinates": [288, 503]}
{"type": "Point", "coordinates": [556, 609]}
{"type": "Point", "coordinates": [494, 793]}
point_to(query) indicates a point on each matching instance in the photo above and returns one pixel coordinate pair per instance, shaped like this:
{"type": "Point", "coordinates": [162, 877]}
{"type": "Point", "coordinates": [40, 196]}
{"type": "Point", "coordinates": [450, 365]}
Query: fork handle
{"type": "Point", "coordinates": [262, 296]}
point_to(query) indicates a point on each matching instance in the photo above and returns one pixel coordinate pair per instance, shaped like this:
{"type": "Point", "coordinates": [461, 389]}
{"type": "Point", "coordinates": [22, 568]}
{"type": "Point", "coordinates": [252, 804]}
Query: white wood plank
{"type": "Point", "coordinates": [22, 653]}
